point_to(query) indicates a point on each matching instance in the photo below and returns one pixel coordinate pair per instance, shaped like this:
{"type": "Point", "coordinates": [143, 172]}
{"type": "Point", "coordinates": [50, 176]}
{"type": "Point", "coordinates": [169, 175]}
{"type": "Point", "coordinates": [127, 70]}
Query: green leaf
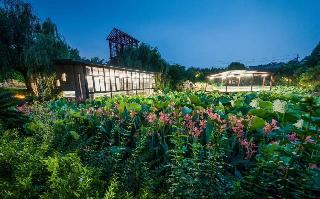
{"type": "Point", "coordinates": [224, 100]}
{"type": "Point", "coordinates": [134, 106]}
{"type": "Point", "coordinates": [195, 100]}
{"type": "Point", "coordinates": [257, 123]}
{"type": "Point", "coordinates": [265, 105]}
{"type": "Point", "coordinates": [285, 159]}
{"type": "Point", "coordinates": [121, 107]}
{"type": "Point", "coordinates": [74, 135]}
{"type": "Point", "coordinates": [186, 110]}
{"type": "Point", "coordinates": [257, 112]}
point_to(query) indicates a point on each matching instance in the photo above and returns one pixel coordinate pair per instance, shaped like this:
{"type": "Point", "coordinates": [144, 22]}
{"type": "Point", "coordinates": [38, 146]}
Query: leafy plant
{"type": "Point", "coordinates": [173, 145]}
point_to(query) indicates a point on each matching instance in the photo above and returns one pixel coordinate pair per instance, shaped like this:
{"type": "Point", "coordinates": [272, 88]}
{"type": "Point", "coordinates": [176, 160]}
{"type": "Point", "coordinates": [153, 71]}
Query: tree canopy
{"type": "Point", "coordinates": [28, 45]}
{"type": "Point", "coordinates": [144, 57]}
{"type": "Point", "coordinates": [236, 66]}
{"type": "Point", "coordinates": [314, 58]}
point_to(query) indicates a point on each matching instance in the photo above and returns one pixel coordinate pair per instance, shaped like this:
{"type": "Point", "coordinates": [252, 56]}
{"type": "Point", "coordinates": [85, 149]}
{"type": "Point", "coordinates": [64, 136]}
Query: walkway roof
{"type": "Point", "coordinates": [239, 73]}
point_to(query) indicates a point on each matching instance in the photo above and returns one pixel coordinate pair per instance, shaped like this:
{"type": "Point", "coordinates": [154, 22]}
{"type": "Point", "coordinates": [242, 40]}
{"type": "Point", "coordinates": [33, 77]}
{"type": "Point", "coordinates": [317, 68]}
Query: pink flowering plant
{"type": "Point", "coordinates": [178, 145]}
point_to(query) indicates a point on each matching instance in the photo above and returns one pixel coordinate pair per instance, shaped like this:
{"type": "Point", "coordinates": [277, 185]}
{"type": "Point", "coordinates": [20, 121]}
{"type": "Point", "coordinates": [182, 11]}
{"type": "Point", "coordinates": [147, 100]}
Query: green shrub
{"type": "Point", "coordinates": [68, 178]}
{"type": "Point", "coordinates": [173, 145]}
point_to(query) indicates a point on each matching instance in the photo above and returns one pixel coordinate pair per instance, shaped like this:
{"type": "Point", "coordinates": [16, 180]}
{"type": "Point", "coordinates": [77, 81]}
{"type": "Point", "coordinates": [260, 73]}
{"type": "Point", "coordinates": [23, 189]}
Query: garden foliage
{"type": "Point", "coordinates": [178, 145]}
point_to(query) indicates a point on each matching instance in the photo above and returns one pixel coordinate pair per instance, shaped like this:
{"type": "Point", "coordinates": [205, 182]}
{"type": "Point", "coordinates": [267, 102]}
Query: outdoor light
{"type": "Point", "coordinates": [58, 83]}
{"type": "Point", "coordinates": [229, 84]}
{"type": "Point", "coordinates": [19, 96]}
{"type": "Point", "coordinates": [64, 77]}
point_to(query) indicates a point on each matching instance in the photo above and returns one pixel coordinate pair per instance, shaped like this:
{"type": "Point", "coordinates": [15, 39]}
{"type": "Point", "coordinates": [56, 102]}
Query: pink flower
{"type": "Point", "coordinates": [249, 147]}
{"type": "Point", "coordinates": [108, 113]}
{"type": "Point", "coordinates": [151, 118]}
{"type": "Point", "coordinates": [24, 108]}
{"type": "Point", "coordinates": [175, 114]}
{"type": "Point", "coordinates": [202, 124]}
{"type": "Point", "coordinates": [270, 126]}
{"type": "Point", "coordinates": [187, 117]}
{"type": "Point", "coordinates": [244, 143]}
{"type": "Point", "coordinates": [99, 111]}
{"type": "Point", "coordinates": [196, 132]}
{"type": "Point", "coordinates": [313, 166]}
{"type": "Point", "coordinates": [90, 111]}
{"type": "Point", "coordinates": [164, 118]}
{"type": "Point", "coordinates": [267, 128]}
{"type": "Point", "coordinates": [194, 128]}
{"type": "Point", "coordinates": [293, 137]}
{"type": "Point", "coordinates": [274, 123]}
{"type": "Point", "coordinates": [223, 127]}
{"type": "Point", "coordinates": [214, 116]}
{"type": "Point", "coordinates": [310, 140]}
{"type": "Point", "coordinates": [201, 113]}
{"type": "Point", "coordinates": [237, 126]}
{"type": "Point", "coordinates": [189, 124]}
{"type": "Point", "coordinates": [133, 113]}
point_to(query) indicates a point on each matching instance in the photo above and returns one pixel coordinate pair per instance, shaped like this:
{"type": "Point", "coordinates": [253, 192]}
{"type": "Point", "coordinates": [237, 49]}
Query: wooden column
{"type": "Point", "coordinates": [226, 84]}
{"type": "Point", "coordinates": [127, 82]}
{"type": "Point", "coordinates": [93, 82]}
{"type": "Point", "coordinates": [205, 88]}
{"type": "Point", "coordinates": [86, 82]}
{"type": "Point", "coordinates": [110, 83]}
{"type": "Point", "coordinates": [104, 79]}
{"type": "Point", "coordinates": [131, 81]}
{"type": "Point", "coordinates": [99, 80]}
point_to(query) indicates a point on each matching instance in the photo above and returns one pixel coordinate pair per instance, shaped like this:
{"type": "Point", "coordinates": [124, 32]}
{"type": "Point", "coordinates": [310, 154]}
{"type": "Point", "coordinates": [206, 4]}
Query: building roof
{"type": "Point", "coordinates": [64, 62]}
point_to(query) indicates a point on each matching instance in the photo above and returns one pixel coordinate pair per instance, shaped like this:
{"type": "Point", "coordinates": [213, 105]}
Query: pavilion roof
{"type": "Point", "coordinates": [238, 73]}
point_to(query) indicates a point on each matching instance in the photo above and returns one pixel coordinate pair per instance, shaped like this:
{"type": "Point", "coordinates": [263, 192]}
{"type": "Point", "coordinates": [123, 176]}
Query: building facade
{"type": "Point", "coordinates": [83, 81]}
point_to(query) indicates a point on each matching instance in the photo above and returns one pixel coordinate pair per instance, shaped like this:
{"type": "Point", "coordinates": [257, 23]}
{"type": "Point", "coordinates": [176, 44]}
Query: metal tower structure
{"type": "Point", "coordinates": [118, 41]}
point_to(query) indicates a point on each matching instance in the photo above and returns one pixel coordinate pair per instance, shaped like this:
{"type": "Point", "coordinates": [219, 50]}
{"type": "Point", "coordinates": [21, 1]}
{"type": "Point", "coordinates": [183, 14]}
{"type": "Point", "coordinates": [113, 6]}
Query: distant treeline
{"type": "Point", "coordinates": [29, 46]}
{"type": "Point", "coordinates": [304, 73]}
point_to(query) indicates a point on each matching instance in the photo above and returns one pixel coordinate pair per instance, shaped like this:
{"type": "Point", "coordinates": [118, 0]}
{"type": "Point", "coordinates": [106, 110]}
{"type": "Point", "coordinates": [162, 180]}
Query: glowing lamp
{"type": "Point", "coordinates": [19, 96]}
{"type": "Point", "coordinates": [64, 77]}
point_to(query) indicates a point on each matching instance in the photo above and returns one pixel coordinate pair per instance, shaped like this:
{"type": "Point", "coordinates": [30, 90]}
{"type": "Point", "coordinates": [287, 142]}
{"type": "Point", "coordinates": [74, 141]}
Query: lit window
{"type": "Point", "coordinates": [64, 77]}
{"type": "Point", "coordinates": [58, 83]}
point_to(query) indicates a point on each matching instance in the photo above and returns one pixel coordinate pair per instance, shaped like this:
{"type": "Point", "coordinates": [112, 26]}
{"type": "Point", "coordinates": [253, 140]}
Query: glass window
{"type": "Point", "coordinates": [90, 83]}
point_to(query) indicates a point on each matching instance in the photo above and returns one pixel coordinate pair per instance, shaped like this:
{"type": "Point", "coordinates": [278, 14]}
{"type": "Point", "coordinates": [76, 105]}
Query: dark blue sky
{"type": "Point", "coordinates": [196, 33]}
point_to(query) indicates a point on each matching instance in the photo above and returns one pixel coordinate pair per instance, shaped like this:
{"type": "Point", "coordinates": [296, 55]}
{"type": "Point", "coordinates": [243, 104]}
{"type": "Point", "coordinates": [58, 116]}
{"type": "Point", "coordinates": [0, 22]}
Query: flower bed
{"type": "Point", "coordinates": [185, 145]}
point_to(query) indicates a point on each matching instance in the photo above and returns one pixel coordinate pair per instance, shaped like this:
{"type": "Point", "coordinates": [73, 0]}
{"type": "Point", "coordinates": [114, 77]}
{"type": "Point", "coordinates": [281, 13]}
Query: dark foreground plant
{"type": "Point", "coordinates": [178, 145]}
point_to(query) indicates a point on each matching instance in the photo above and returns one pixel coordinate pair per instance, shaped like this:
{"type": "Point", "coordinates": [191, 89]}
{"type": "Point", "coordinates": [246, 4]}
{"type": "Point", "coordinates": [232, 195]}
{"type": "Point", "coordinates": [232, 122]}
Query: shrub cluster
{"type": "Point", "coordinates": [178, 145]}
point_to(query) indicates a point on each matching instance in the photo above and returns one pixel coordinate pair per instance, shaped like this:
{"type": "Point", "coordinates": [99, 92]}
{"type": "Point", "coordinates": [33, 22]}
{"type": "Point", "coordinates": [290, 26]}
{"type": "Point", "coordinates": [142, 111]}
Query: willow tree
{"type": "Point", "coordinates": [46, 46]}
{"type": "Point", "coordinates": [28, 45]}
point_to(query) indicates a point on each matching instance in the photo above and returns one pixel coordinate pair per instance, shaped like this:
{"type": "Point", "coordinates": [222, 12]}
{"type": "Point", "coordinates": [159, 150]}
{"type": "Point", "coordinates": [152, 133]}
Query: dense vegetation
{"type": "Point", "coordinates": [29, 46]}
{"type": "Point", "coordinates": [167, 145]}
{"type": "Point", "coordinates": [182, 145]}
{"type": "Point", "coordinates": [305, 74]}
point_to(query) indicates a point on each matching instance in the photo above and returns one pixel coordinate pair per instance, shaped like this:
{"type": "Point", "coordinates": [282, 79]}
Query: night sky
{"type": "Point", "coordinates": [192, 33]}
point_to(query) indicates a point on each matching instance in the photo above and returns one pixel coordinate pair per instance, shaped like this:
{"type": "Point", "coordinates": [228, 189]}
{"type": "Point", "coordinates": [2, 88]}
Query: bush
{"type": "Point", "coordinates": [173, 145]}
{"type": "Point", "coordinates": [68, 177]}
{"type": "Point", "coordinates": [311, 79]}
